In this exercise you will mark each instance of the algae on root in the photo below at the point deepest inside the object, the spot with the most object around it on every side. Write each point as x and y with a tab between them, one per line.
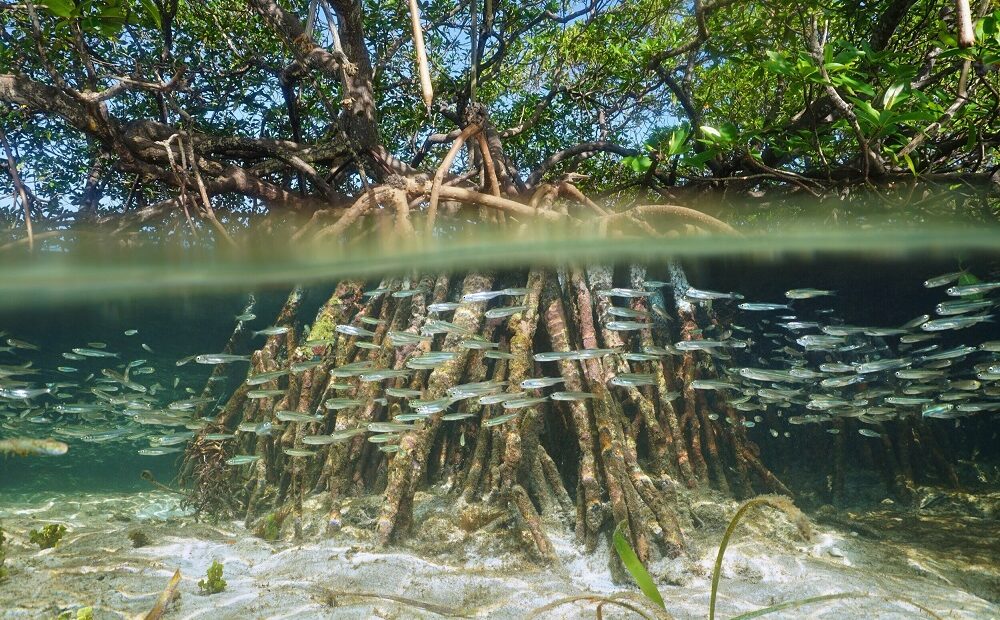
213	583
270	527
48	536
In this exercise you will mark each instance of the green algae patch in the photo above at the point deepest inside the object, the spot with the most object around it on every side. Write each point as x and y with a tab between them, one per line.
213	582
49	536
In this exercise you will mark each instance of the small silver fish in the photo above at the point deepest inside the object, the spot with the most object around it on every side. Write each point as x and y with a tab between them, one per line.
93	352
295	416
259	394
572	396
242	459
808	293
504	312
627	293
219	358
335	404
703	295
497	421
409	293
444	306
941	280
480	296
633	380
972	289
353	330
541	382
625	326
383	374
275	330
754	307
956	322
627	313
264	377
520	403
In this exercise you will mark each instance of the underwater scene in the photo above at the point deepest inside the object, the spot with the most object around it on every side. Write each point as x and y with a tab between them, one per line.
534	310
783	433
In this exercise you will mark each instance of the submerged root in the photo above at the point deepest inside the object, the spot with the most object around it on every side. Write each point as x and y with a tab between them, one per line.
616	454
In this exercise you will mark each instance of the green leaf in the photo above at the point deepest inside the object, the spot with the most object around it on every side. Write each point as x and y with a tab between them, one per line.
857	85
638	163
699	159
711	132
777	63
60	8
922	116
151	13
866	111
909	164
892	95
678	138
635	567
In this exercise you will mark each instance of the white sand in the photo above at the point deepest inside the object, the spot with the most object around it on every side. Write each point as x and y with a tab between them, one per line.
767	564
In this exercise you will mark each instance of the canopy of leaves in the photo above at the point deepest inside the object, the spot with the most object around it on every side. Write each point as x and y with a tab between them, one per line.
102	103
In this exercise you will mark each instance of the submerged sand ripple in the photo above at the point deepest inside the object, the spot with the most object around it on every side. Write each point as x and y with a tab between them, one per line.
97	566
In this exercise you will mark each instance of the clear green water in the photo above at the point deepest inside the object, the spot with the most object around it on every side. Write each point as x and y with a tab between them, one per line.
185	307
183	302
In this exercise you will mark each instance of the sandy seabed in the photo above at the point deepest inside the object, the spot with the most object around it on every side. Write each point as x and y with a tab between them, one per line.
343	577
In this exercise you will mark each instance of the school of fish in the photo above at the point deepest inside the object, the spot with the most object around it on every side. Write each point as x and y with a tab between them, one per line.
779	362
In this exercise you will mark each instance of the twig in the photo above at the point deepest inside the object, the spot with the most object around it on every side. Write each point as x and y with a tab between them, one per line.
168	595
209	211
868	156
19	188
440	610
181	180
960	98
618	599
